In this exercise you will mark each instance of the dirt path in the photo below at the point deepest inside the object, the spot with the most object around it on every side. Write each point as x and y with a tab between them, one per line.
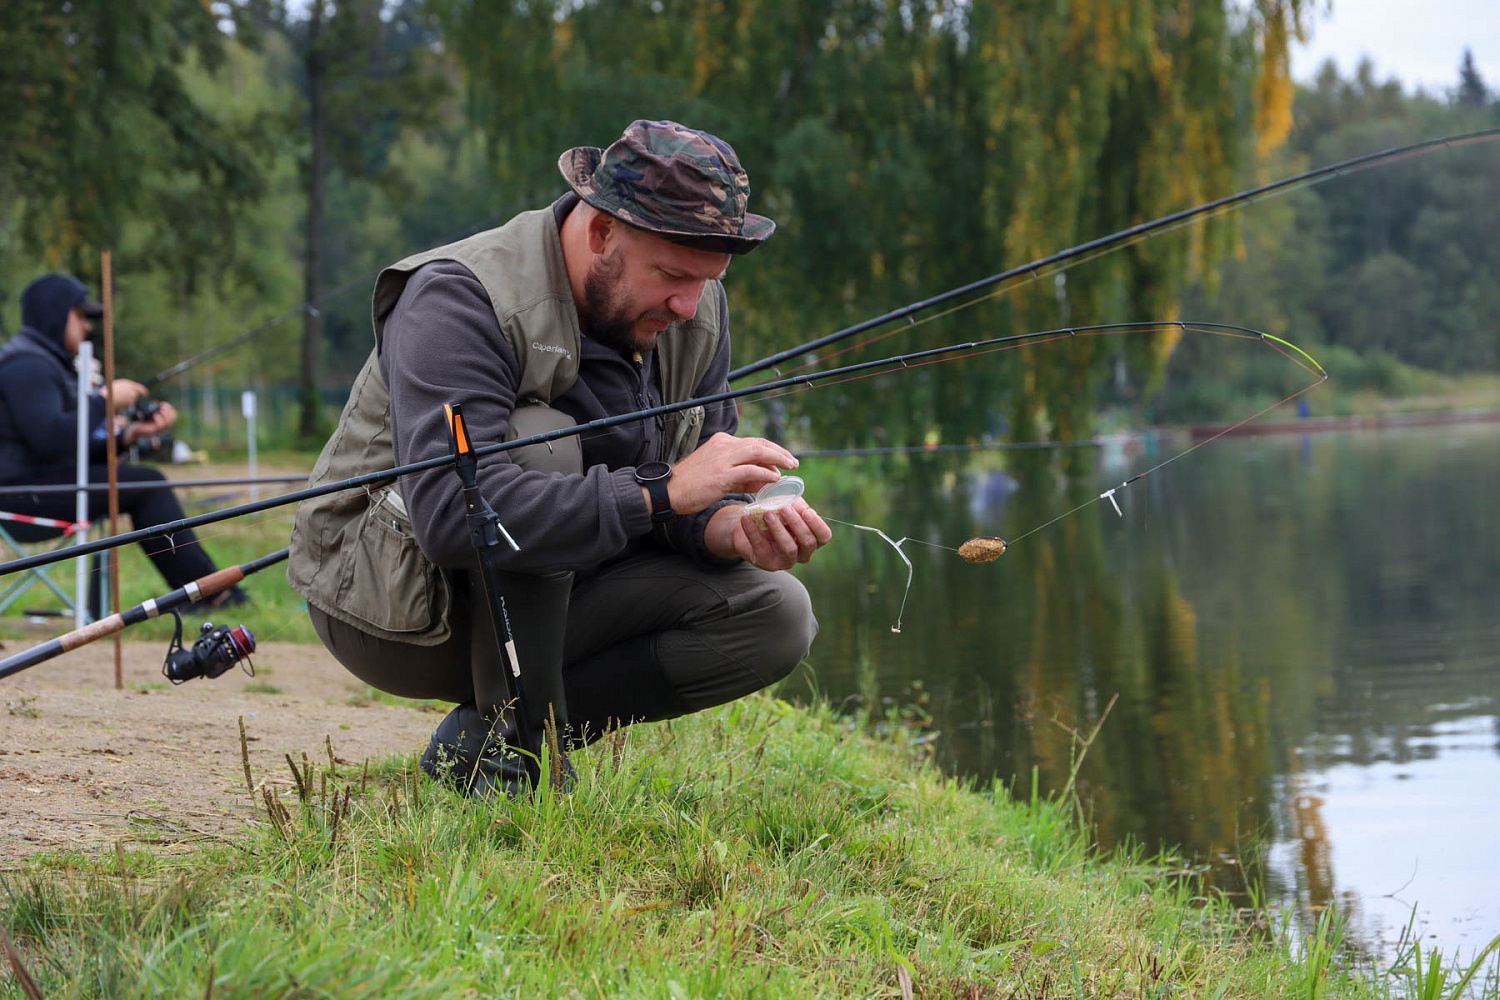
83	765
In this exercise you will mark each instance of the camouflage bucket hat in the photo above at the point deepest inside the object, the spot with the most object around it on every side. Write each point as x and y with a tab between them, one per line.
683	185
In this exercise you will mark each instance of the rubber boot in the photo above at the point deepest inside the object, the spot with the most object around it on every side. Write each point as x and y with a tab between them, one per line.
477	748
620	686
475	759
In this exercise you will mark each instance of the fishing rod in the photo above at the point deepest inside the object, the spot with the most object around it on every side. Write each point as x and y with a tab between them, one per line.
151	484
311	305
1084	251
216	650
485	531
988	548
809	380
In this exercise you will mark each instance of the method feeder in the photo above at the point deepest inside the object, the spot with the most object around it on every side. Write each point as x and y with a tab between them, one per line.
810	380
981	549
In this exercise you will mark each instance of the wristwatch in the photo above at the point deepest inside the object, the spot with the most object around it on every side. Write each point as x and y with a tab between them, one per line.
654	476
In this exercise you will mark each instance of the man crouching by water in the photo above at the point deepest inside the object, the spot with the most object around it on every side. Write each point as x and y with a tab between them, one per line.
641	590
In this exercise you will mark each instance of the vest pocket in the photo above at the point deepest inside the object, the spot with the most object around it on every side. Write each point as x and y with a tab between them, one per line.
388	582
681	432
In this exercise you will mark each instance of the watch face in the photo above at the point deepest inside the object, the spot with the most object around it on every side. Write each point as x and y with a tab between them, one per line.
652	470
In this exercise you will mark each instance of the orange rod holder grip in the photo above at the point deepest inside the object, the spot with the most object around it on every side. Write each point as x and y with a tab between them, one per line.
457	430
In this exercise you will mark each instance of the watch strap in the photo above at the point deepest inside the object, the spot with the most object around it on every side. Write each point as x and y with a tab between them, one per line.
661	499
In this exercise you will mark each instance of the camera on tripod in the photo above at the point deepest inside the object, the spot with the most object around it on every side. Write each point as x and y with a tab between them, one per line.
218	648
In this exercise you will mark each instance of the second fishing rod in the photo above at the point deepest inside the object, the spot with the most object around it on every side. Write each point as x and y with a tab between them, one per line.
1050	264
809	380
1071	257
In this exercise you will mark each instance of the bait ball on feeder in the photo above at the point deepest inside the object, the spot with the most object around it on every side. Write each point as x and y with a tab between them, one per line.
984	549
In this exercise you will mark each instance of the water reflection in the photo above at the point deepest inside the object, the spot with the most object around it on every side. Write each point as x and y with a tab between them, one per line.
1288	623
1402	839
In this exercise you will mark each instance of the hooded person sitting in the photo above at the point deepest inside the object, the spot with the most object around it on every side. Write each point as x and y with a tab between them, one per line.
38	430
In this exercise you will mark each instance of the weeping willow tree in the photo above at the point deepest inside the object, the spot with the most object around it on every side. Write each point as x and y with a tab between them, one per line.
101	131
907	147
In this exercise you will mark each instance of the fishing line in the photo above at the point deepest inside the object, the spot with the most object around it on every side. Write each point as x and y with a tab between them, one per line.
384	477
1126	237
798	384
176	484
897	546
979	549
942	449
1110	493
988	548
1040	272
311	305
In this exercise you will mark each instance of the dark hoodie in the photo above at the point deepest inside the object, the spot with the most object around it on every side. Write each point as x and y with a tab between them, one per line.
39	385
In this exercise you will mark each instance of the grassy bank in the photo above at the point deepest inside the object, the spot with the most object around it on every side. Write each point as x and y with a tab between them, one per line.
755	851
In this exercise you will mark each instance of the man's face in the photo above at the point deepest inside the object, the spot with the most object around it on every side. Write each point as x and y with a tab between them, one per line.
76	331
641	284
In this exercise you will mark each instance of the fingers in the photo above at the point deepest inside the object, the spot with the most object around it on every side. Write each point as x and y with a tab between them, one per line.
749	478
769	552
126	391
753	451
804	528
726	464
789	536
769	454
821	533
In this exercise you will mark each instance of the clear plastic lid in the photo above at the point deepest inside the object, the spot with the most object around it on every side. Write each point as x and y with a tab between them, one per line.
780	493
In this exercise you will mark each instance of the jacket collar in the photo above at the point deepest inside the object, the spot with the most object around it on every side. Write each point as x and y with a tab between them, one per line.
29	337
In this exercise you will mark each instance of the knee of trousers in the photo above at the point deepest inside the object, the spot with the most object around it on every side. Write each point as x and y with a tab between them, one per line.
786	625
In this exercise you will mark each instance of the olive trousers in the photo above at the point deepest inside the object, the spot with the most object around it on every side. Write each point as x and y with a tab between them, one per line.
647	638
644	638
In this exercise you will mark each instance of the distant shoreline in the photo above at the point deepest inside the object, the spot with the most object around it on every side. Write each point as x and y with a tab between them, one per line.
1310	425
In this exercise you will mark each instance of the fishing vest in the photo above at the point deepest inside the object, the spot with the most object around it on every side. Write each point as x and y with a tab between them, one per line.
354	555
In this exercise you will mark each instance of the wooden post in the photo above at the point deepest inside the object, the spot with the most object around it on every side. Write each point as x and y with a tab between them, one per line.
107	281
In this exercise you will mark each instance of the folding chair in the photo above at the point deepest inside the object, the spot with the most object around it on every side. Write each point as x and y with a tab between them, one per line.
23	529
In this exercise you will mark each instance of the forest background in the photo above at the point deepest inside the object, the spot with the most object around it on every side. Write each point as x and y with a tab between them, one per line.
252	164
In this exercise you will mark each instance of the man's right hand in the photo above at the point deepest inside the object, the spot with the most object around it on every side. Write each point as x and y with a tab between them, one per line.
725	464
126	392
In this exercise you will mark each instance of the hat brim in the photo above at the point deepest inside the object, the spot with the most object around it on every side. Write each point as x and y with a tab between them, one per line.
91	309
578	165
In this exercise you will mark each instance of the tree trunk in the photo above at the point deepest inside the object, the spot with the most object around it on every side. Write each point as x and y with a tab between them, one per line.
317	181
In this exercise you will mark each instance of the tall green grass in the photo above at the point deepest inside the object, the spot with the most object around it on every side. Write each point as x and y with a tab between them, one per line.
758	850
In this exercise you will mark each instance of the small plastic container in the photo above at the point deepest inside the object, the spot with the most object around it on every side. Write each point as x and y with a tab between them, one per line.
774	496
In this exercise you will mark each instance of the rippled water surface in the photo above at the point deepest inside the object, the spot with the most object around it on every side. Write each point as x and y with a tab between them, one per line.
1300	635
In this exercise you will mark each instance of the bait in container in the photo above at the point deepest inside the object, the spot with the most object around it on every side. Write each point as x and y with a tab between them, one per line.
774	496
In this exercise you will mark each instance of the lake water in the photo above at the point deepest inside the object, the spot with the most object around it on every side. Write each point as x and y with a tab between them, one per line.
1299	635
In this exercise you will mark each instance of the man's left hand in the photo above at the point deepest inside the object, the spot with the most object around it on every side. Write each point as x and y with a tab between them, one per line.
789	536
166	416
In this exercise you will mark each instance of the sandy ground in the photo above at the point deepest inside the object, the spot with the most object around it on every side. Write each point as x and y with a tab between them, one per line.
83	765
